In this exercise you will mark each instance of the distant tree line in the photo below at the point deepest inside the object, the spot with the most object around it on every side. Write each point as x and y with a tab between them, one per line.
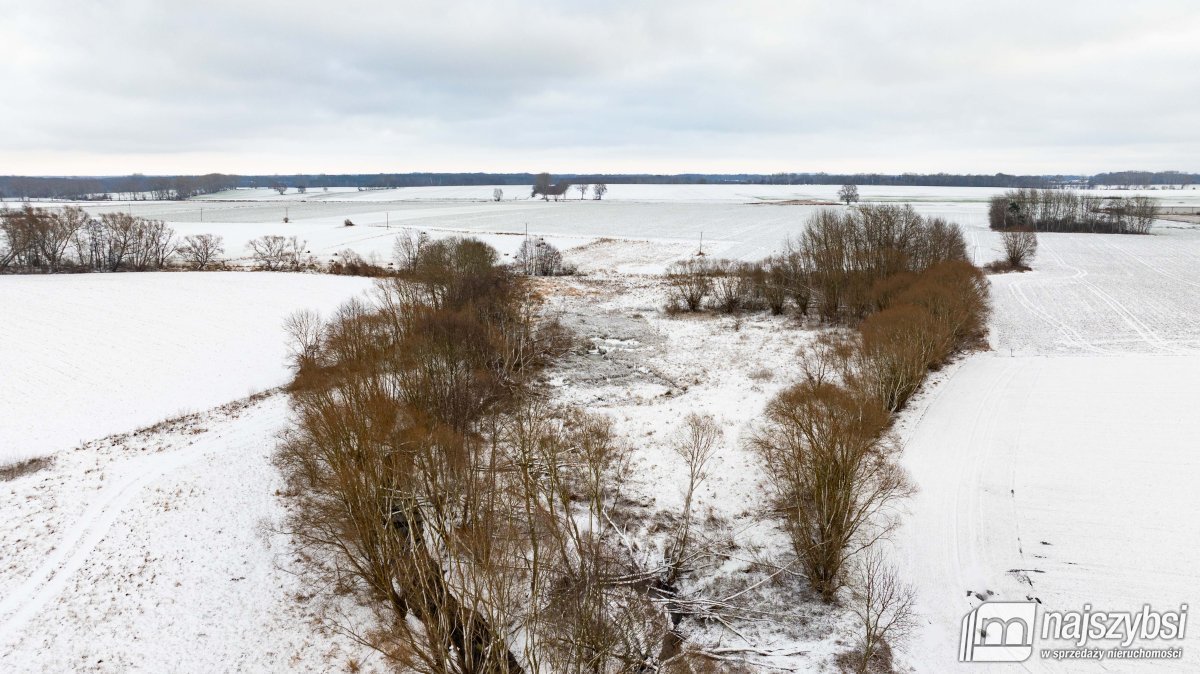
134	187
139	186
1131	179
1067	211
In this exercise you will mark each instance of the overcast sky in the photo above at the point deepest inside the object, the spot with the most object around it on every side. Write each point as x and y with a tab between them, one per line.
244	86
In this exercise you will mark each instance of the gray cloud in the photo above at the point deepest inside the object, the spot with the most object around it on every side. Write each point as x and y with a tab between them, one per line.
621	86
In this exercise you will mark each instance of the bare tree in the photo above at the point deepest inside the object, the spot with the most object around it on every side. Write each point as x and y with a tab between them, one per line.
582	191
695	442
153	244
884	606
279	187
407	248
120	237
1020	247
464	510
832	473
848	194
599	190
201	250
497	194
58	233
7	251
273	252
541	186
538	257
305	329
795	268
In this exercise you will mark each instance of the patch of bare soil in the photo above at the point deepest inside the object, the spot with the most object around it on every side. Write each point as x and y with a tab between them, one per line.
795	202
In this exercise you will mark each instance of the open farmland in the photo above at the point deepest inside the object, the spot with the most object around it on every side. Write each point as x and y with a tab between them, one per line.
1061	465
84	356
1057	465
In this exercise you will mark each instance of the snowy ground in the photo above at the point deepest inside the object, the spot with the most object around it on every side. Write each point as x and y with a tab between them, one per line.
1074	430
159	551
670	193
1062	464
87	355
646	372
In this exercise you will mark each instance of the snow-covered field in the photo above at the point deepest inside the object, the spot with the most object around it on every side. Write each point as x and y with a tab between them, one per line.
1062	465
87	355
162	552
668	193
740	221
1059	465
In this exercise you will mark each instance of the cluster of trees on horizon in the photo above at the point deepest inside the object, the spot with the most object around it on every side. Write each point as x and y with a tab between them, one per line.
1068	211
139	186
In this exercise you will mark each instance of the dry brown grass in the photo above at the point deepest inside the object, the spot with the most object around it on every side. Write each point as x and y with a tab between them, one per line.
14	470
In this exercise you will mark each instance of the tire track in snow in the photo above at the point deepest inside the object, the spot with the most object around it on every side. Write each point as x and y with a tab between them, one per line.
48	580
1073	336
1148	334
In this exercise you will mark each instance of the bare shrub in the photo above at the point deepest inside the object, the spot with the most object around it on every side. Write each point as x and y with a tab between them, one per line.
304	329
407	248
732	286
201	250
771	284
884	292
538	257
58	233
276	253
119	235
153	244
955	294
350	263
689	282
795	268
1019	246
897	346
